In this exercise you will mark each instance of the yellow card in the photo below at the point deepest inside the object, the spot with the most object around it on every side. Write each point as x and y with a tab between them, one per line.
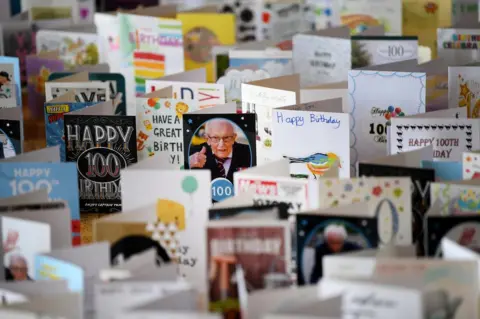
202	31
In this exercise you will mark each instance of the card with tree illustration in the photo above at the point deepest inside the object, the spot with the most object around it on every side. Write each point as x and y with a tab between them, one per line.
389	198
101	146
448	136
398	94
464	89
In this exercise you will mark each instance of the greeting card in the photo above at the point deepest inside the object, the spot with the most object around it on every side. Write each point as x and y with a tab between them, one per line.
444	171
202	31
223	143
101	144
260	97
297	128
11	132
85	90
49	268
108	31
464	89
399	94
449	137
10	82
54	111
180	206
457	46
281	21
324	233
456	197
471	165
247	17
230	244
190	86
388	198
159	127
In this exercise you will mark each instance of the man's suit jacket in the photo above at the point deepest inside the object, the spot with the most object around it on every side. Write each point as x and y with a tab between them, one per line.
241	159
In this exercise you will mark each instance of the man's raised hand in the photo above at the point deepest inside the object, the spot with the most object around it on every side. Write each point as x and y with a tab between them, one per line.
198	159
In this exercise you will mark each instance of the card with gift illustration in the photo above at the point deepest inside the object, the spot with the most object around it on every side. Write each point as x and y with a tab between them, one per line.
463	229
407	164
449	137
101	144
398	94
317	232
116	83
260	97
150	52
388	198
54	111
358	15
323	56
464	89
456	197
471	165
160	127
265	264
221	141
75	48
11	132
191	86
180	206
298	128
42	170
457	46
201	31
10	82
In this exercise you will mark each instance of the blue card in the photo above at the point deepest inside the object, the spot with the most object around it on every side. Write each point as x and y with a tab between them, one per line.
60	180
54	128
445	171
13	75
49	268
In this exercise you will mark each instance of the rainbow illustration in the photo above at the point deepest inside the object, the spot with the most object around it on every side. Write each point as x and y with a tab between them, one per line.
147	66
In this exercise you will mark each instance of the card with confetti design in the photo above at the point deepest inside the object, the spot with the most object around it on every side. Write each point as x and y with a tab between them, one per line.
456	198
471	165
387	197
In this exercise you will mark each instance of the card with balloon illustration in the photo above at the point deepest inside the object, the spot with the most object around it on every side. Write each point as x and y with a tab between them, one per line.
389	198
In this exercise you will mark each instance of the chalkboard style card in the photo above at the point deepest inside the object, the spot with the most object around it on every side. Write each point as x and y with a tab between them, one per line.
407	164
332	231
11	132
223	143
101	144
462	228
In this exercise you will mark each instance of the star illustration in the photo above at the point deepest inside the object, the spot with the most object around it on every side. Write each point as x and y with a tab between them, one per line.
189	121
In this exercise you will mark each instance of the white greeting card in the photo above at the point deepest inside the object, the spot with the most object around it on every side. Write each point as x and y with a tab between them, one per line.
471	165
458	46
190	86
448	136
261	97
302	133
464	89
184	201
397	94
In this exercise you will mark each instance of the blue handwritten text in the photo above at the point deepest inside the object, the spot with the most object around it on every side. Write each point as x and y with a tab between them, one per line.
314	118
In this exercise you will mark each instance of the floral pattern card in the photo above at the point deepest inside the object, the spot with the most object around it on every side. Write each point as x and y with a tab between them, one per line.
261	97
75	48
388	198
181	205
464	89
471	165
448	136
160	130
359	15
398	94
297	130
456	197
458	46
10	81
322	57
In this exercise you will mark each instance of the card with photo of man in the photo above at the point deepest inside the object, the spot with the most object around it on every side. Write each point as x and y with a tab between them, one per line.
223	143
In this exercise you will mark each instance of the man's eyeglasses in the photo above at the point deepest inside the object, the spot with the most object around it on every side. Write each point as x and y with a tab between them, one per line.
226	139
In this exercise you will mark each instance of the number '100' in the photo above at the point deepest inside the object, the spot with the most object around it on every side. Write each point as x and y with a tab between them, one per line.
100	166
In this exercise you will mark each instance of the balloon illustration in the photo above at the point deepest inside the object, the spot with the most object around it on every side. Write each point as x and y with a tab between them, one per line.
189	184
393	112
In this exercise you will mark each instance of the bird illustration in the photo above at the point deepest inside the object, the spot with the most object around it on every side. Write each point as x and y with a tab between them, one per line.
317	163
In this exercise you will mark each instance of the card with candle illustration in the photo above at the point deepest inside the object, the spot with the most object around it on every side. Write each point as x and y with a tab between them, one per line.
159	128
448	136
471	165
389	198
165	213
261	247
398	94
464	89
101	145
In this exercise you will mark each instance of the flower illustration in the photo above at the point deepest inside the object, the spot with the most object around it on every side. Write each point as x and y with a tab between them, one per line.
377	191
348	187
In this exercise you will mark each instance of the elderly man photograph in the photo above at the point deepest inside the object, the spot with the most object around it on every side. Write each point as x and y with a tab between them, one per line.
334	242
221	154
17	268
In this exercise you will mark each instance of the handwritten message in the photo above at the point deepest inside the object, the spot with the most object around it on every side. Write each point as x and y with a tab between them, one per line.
300	120
446	145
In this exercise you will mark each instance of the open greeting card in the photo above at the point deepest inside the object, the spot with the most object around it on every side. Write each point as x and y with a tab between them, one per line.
297	130
101	144
260	97
190	86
